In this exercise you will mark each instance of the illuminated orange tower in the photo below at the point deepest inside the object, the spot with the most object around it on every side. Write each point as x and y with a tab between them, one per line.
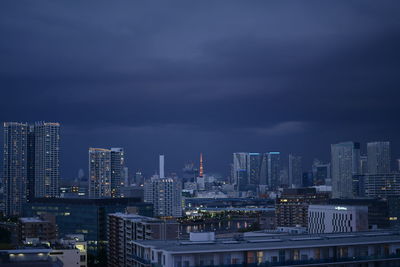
201	170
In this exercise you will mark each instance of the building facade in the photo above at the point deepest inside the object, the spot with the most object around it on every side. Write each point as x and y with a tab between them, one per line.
295	171
240	163
123	228
291	208
15	167
165	195
85	216
117	171
36	227
99	173
381	185
321	173
378	210
274	170
31	163
107	172
345	158
337	219
378	157
358	249
47	159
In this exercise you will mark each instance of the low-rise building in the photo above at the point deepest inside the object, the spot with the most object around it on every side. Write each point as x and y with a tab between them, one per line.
337	219
61	254
365	248
45	229
378	210
70	251
33	257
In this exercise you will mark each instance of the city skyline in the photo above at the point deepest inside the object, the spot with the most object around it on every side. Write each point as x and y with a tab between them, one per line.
225	173
268	77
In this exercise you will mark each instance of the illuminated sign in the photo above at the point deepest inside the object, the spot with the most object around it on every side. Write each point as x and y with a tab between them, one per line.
340	208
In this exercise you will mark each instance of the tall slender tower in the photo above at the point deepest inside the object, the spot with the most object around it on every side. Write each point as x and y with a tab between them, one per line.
161	166
15	166
47	163
100	173
201	169
274	168
295	171
117	170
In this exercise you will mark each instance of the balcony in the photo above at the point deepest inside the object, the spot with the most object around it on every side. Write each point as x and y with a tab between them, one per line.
141	260
310	262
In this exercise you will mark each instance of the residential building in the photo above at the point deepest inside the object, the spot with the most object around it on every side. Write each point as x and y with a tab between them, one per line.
31	163
15	175
117	170
291	208
99	173
123	228
337	219
345	158
47	159
357	249
165	195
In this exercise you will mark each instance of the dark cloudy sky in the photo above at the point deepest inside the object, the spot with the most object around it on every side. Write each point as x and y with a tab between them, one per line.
216	77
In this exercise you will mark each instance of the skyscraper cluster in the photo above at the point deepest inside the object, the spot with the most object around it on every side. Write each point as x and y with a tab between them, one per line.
251	170
31	163
354	175
349	173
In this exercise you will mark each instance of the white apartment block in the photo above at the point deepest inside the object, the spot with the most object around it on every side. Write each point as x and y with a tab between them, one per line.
357	249
165	195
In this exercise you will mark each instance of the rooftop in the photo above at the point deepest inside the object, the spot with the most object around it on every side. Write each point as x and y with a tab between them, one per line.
272	241
31	220
88	201
132	216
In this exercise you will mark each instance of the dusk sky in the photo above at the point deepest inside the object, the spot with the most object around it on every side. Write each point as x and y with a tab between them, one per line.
202	76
